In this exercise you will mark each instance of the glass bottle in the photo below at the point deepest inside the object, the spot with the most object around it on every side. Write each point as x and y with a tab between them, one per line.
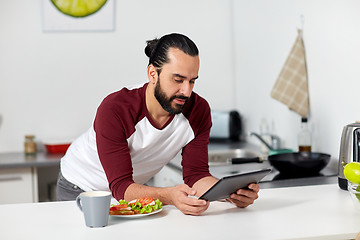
304	137
30	145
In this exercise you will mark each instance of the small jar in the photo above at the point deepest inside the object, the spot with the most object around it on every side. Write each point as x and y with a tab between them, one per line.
30	145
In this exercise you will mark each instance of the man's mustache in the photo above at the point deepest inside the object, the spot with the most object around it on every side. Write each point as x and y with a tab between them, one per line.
179	96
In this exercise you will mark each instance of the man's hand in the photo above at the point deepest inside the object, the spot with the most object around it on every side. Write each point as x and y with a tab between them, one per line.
245	197
178	196
188	205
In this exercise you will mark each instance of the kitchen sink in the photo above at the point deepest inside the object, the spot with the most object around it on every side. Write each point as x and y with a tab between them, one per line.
230	156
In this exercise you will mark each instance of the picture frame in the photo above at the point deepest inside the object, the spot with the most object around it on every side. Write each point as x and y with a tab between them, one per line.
54	20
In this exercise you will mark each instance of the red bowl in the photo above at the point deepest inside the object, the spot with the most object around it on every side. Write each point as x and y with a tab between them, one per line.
57	148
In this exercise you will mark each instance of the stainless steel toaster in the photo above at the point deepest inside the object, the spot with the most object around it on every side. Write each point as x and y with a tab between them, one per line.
349	150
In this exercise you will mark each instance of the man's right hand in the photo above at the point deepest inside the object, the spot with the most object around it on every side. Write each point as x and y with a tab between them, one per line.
187	205
180	196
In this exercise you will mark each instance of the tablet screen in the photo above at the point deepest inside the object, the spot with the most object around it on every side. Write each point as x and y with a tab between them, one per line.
229	184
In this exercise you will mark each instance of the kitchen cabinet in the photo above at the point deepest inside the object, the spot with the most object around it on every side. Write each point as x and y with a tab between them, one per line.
28	179
18	185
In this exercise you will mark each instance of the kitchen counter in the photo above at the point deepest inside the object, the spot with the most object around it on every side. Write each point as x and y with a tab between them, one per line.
311	212
20	160
44	169
42	159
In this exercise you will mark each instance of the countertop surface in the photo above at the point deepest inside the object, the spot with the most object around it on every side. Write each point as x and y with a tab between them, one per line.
43	159
311	212
20	160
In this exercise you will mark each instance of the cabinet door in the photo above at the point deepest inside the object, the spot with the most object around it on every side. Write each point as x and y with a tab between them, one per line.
16	185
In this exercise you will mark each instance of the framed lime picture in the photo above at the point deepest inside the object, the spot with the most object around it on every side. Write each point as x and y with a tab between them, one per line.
78	15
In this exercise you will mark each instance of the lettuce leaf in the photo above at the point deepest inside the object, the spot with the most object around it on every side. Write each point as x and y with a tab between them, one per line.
121	201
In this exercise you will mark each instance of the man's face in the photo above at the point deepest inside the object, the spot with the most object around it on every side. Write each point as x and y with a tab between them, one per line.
166	102
177	81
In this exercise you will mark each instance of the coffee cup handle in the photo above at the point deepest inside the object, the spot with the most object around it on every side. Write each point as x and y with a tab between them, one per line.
78	203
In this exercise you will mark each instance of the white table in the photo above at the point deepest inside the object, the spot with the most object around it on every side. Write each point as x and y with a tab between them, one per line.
312	212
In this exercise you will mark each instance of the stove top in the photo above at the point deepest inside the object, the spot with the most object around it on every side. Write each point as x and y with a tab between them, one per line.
226	170
276	180
275	175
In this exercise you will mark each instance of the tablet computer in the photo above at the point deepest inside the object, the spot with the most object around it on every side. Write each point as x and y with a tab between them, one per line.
229	184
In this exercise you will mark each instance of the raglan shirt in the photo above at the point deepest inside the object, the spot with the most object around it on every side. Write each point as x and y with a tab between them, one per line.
123	146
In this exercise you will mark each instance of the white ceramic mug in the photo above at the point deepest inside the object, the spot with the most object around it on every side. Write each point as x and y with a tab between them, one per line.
95	207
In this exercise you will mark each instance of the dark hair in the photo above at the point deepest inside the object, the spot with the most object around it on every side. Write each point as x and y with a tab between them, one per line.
157	49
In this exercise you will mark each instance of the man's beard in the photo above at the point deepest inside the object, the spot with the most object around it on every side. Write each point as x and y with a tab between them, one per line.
165	102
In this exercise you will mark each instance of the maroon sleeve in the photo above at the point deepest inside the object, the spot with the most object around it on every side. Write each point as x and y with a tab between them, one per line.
195	153
113	125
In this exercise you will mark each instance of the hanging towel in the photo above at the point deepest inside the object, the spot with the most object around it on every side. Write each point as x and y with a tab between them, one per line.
291	87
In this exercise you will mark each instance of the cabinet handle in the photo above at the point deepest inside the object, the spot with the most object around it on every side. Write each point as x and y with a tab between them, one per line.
10	178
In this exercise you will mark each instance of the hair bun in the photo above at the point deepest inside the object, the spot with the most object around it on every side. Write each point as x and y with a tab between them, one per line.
150	47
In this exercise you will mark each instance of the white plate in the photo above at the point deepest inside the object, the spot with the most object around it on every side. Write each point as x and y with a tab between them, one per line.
137	215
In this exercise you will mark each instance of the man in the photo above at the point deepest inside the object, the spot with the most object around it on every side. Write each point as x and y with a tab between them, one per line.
138	131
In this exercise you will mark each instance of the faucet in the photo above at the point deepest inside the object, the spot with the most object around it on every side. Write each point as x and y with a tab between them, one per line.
275	141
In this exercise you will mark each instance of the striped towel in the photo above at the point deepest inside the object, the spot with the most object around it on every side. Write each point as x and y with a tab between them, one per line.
291	87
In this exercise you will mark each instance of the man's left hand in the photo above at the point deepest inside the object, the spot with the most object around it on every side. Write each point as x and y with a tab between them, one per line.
245	197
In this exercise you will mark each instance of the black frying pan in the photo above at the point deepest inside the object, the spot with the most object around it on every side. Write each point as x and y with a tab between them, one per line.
299	163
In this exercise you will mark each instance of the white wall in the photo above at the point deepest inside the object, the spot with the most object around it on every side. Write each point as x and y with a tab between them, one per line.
264	34
52	83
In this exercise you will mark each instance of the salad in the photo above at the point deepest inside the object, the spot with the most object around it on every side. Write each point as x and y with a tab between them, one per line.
137	206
